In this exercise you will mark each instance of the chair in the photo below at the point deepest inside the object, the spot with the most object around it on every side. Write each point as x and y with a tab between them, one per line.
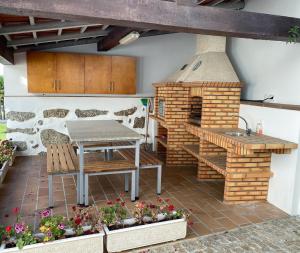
147	161
109	168
61	161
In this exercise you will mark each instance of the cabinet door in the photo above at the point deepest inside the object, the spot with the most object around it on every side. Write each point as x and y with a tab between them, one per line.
97	75
124	75
41	72
69	73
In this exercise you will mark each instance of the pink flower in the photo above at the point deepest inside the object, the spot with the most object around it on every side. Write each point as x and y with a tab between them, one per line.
19	228
61	226
46	213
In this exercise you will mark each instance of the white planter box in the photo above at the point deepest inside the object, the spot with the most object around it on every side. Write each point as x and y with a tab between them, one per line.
11	162
145	235
81	244
3	171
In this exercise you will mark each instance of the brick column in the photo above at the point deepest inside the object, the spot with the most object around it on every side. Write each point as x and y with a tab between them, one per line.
247	177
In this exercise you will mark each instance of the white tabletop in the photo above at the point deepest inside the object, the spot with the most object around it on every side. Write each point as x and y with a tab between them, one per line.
99	131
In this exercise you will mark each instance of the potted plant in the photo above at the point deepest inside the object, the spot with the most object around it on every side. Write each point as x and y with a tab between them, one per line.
7	151
152	224
53	237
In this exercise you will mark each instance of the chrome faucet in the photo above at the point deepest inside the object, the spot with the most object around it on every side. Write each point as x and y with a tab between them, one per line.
248	129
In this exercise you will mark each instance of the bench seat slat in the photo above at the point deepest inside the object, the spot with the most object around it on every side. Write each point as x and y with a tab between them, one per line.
61	159
108	166
146	158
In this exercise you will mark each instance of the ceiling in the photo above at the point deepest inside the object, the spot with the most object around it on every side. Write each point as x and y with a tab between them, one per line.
25	33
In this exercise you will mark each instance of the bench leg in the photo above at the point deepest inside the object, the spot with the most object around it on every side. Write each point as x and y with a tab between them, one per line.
86	190
159	172
133	176
50	186
78	188
126	182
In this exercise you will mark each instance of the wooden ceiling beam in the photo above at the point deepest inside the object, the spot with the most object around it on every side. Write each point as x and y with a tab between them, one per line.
6	54
56	25
46	39
58	45
159	15
113	38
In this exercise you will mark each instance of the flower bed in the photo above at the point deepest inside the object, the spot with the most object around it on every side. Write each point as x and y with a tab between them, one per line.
148	224
151	224
7	154
57	234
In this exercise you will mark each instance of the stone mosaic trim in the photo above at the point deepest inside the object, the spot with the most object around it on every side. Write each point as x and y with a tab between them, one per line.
89	113
21	130
280	235
126	112
21	145
20	116
55	113
50	136
139	122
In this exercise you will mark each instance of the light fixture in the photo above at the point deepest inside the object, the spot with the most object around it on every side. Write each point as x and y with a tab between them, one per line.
129	38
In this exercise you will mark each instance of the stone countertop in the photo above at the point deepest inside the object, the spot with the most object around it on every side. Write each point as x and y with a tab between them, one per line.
100	131
242	144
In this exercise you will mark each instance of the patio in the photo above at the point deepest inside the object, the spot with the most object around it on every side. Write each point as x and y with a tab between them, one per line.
26	187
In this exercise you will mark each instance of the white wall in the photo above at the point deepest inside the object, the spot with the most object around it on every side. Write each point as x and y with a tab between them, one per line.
284	124
157	58
268	67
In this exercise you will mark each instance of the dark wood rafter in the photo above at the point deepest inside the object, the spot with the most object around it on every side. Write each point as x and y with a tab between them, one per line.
58	45
159	15
112	40
6	54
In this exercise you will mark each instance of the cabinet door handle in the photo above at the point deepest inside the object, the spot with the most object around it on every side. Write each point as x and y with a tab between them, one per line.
59	84
110	86
53	84
113	86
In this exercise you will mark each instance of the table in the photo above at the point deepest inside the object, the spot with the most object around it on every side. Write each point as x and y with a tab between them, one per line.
86	132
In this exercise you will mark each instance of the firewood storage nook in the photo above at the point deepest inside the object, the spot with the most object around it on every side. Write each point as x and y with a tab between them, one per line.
195	122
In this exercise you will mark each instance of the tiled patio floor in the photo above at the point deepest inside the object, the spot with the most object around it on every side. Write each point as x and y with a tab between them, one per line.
26	187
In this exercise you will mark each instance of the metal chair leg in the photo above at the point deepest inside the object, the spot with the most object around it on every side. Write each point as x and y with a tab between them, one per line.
159	172
133	194
126	182
50	186
86	190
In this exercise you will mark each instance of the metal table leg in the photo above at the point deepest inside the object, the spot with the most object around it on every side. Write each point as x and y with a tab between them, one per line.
81	169
137	164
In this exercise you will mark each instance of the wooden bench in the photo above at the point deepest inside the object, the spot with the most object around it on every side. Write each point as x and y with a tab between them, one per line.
147	161
61	161
96	168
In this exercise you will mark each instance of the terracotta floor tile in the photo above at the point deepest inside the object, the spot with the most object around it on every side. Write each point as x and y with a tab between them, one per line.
26	186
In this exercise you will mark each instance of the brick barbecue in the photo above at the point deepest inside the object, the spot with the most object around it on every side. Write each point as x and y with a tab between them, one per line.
191	104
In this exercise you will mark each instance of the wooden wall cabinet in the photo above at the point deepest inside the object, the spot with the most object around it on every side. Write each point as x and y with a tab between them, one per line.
82	74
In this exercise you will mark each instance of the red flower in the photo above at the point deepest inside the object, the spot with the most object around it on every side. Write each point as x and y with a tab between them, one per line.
109	202
159	200
77	221
171	208
6	215
16	210
123	203
152	206
8	229
74	208
118	199
167	200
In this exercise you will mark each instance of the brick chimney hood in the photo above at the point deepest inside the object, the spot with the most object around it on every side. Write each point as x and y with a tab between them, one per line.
210	64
